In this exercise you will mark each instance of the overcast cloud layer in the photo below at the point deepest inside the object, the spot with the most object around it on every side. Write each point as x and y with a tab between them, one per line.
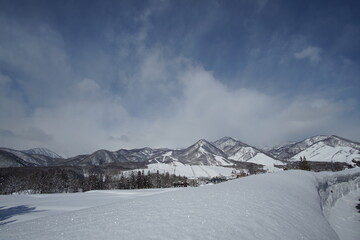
77	76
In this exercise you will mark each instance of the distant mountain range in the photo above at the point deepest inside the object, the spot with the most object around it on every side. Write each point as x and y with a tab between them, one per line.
224	152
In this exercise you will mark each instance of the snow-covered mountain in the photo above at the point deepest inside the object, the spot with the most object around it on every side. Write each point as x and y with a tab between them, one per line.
226	151
287	151
140	154
228	145
8	159
42	151
102	157
319	149
242	152
231	147
97	158
200	153
14	158
331	149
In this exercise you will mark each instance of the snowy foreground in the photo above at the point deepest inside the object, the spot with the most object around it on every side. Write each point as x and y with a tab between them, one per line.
282	205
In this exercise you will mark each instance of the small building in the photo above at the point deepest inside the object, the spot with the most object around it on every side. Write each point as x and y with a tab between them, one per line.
218	179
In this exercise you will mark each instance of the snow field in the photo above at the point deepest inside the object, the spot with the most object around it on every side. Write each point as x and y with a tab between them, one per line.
199	171
283	205
267	162
20	208
343	219
190	171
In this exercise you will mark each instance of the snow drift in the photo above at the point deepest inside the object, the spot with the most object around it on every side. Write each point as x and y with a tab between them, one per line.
332	186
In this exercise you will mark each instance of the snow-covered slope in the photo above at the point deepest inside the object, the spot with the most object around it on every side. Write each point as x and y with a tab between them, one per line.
25	207
27	159
228	145
99	157
32	157
286	151
8	159
42	151
241	152
189	171
268	162
141	154
102	157
323	152
284	205
320	149
235	149
31	161
200	153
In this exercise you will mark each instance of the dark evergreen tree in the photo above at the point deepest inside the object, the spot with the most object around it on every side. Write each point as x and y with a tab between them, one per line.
304	165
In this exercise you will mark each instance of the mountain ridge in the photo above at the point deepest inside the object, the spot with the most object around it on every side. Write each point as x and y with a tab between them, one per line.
225	151
42	151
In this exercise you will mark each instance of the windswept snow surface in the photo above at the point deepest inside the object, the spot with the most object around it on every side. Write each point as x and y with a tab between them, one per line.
20	208
283	205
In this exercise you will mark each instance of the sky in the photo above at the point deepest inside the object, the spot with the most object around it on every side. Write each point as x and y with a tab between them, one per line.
78	76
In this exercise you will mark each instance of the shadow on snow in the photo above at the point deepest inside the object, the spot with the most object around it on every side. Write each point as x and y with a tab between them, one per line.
6	213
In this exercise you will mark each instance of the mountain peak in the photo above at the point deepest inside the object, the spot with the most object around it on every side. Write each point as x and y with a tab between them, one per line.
202	142
227	138
318	138
227	144
201	153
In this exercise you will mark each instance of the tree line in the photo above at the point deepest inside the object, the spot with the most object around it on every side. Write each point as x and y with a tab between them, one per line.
68	180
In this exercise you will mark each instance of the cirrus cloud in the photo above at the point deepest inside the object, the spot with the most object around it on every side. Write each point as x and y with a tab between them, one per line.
311	53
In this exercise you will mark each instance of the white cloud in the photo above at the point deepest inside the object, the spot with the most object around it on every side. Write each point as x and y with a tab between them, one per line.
311	53
92	117
74	114
210	110
85	122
